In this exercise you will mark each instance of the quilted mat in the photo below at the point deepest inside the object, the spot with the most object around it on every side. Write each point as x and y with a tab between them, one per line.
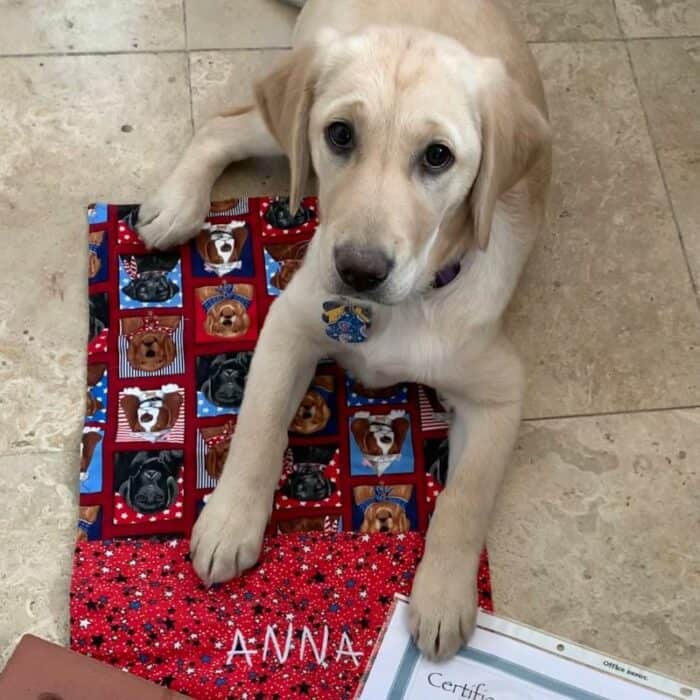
171	337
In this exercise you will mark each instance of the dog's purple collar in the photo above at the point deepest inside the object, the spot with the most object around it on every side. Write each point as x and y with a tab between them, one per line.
446	275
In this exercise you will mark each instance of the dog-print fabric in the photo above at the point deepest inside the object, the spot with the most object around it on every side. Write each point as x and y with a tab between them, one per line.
170	342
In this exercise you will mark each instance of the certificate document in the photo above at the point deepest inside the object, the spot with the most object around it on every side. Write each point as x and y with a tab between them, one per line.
506	661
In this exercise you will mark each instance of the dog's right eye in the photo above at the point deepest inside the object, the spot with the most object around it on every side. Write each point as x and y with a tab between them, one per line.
340	137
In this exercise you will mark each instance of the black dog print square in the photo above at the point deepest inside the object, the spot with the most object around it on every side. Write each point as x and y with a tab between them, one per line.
98	325
278	220
153	280
310	477
220	382
151	346
148	486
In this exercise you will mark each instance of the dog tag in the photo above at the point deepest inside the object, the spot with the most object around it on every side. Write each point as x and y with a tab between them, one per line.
345	321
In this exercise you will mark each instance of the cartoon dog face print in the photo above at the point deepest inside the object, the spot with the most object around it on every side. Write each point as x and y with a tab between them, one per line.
327	523
314	413
95	240
436	452
151	414
226	308
383	507
221	379
90	440
98	315
282	262
221	246
379	437
306	478
93	404
277	215
149	280
88	523
150	344
217	440
147	481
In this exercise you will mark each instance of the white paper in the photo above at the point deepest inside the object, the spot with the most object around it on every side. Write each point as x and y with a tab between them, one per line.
507	661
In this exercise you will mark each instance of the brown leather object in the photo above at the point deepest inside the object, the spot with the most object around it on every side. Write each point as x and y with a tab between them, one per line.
39	670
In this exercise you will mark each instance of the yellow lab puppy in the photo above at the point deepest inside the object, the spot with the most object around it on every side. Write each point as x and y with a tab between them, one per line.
426	126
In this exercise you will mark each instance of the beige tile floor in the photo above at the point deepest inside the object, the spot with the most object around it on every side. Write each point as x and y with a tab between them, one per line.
597	530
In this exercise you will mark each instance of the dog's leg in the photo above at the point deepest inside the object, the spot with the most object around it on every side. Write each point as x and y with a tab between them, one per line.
176	211
227	537
444	597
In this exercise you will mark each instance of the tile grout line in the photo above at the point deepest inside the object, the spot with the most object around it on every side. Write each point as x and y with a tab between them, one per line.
188	62
235	49
535	419
662	173
155	52
605	414
617	19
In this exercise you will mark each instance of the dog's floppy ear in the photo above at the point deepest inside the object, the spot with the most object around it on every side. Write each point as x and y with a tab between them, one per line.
171	408
95	373
130	404
360	428
284	99
514	133
400	428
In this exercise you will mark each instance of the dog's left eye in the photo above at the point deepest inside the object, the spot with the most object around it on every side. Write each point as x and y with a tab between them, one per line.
340	137
437	157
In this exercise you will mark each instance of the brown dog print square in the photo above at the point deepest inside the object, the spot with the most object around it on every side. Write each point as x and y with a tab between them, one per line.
150	346
91	460
223	249
384	508
212	449
96	395
319	523
282	260
317	413
97	256
380	443
153	415
225	312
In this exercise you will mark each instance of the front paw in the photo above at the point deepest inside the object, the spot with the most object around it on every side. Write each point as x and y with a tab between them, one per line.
174	214
227	537
443	607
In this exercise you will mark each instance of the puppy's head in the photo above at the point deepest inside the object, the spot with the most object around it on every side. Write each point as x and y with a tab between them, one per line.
413	139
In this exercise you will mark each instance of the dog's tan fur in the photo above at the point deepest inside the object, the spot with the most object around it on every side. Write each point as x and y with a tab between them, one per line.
404	74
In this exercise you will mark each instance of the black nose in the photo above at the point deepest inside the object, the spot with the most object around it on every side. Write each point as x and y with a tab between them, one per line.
362	269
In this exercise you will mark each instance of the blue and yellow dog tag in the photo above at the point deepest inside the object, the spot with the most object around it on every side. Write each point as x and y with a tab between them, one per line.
346	322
